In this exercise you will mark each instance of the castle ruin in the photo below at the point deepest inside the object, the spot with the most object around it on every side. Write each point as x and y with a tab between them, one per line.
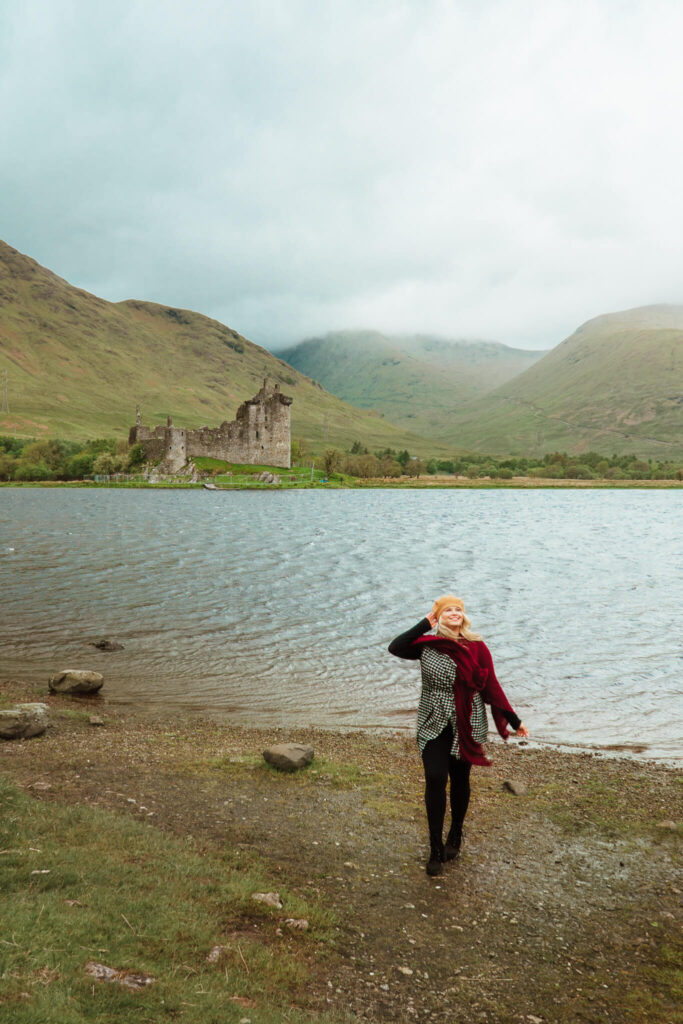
260	434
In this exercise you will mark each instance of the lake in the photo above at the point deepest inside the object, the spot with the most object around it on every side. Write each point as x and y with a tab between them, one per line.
277	607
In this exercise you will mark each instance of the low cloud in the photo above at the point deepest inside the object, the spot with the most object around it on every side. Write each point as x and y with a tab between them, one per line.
501	170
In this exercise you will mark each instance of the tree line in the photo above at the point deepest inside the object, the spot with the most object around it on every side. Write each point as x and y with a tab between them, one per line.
51	459
359	462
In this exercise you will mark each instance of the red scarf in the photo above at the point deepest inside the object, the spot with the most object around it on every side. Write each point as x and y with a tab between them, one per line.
475	672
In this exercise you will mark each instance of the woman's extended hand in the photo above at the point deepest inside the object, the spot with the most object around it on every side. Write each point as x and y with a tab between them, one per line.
432	619
522	731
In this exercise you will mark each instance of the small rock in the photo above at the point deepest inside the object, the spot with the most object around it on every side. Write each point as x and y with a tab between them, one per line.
76	681
271	899
129	979
671	825
297	924
534	1020
96	720
288	757
107	645
406	970
23	721
516	787
215	954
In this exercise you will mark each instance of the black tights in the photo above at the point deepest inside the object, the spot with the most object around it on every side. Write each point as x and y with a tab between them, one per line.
439	765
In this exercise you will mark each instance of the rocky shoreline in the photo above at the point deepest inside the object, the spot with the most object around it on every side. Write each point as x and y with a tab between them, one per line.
564	906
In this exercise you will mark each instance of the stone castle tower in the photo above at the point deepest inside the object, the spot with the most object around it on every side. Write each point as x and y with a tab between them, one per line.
260	434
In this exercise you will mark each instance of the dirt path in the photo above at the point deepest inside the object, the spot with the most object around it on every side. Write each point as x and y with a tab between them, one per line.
564	905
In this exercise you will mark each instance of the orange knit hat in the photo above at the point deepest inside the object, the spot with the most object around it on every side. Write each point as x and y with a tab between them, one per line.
447	601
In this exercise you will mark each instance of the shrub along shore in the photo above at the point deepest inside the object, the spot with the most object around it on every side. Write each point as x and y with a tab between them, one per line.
107	462
139	843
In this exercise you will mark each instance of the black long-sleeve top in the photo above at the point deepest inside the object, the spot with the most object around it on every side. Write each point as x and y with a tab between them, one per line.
401	647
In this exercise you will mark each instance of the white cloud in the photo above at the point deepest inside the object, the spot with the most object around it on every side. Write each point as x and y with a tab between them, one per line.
502	170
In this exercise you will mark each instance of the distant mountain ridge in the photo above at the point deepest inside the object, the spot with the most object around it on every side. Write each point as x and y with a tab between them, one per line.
416	381
615	385
77	365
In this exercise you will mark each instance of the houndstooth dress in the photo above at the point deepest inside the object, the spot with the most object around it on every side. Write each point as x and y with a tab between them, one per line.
437	704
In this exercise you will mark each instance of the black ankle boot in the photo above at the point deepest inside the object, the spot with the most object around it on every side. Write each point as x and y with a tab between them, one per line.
453	843
436	856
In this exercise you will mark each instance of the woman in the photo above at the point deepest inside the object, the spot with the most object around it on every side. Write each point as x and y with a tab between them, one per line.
458	679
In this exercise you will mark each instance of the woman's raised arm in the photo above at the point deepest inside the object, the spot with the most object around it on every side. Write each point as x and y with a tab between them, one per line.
401	646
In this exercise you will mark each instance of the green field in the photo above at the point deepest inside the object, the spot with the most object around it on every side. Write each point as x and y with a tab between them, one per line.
81	885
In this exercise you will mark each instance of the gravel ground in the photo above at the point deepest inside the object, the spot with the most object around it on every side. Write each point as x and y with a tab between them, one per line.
563	906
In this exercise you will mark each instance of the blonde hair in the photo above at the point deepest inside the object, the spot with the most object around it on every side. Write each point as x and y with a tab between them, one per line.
464	633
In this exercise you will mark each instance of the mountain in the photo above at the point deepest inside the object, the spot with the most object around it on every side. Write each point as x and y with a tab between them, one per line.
77	365
416	381
615	385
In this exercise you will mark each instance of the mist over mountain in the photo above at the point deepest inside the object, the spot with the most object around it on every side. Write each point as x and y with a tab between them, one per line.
417	381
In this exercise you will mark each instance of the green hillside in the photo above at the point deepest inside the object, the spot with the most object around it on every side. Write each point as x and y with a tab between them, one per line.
417	381
615	385
77	365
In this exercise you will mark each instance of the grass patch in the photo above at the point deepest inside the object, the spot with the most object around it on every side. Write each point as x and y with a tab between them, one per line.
344	775
338	774
208	465
143	902
75	716
244	475
664	975
613	809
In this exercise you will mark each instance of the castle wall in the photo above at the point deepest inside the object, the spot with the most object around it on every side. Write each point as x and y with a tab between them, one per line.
259	434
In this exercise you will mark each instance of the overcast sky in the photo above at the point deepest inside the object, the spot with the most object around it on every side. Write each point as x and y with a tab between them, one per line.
496	170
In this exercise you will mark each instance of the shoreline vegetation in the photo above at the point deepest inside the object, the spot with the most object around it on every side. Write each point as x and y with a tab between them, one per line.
436	483
108	462
139	843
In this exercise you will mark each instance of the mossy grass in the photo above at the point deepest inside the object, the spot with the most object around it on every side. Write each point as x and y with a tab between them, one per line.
606	807
81	884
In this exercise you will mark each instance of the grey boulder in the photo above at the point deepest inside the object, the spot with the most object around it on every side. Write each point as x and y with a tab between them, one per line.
77	681
516	787
288	757
23	721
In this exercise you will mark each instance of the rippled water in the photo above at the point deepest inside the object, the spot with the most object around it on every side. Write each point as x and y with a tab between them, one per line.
278	607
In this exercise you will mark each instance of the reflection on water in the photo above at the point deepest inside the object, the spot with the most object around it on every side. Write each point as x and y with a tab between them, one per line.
278	607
